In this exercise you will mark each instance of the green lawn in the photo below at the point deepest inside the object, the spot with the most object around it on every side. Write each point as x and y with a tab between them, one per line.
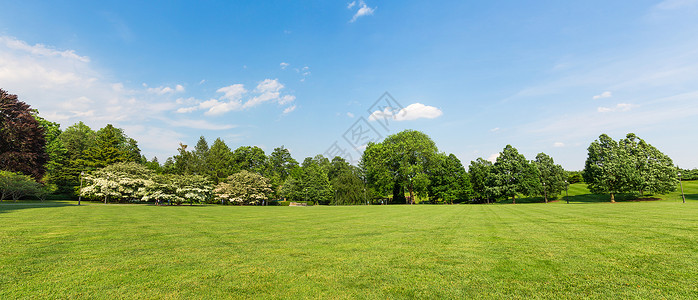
597	250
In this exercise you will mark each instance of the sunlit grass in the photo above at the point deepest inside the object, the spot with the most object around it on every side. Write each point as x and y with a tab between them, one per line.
598	250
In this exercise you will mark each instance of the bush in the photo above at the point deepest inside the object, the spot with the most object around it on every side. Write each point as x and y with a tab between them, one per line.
17	186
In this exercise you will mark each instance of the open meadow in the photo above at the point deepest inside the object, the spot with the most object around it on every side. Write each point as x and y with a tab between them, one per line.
597	250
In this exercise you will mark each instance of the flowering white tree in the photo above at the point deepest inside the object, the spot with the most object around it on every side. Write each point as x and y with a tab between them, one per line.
193	188
244	188
132	181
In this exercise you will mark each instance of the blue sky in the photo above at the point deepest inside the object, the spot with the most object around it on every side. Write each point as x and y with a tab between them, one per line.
543	76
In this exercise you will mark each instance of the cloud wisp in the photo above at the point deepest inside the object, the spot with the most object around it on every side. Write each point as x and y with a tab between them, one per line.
363	10
236	98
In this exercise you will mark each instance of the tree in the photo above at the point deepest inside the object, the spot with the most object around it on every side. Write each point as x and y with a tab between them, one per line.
608	168
401	160
244	187
316	184
448	180
220	160
512	174
16	185
250	158
22	140
280	165
348	187
551	175
192	188
574	177
200	157
480	172
112	146
654	171
184	161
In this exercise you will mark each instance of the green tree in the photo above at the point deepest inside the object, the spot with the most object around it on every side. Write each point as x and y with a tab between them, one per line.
480	172
112	146
401	160
22	140
220	160
280	165
316	183
16	185
609	168
512	174
552	176
349	188
654	171
57	166
184	162
244	187
250	158
574	177
448	180
200	158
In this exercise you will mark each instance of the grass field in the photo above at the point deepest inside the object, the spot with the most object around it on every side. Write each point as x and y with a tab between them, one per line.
584	249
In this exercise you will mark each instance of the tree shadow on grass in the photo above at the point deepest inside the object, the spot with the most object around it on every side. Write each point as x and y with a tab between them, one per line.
9	206
585	198
691	196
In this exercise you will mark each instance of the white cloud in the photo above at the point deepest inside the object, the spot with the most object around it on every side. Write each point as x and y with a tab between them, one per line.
493	157
413	111
162	90
268	90
606	94
364	10
40	50
350	115
558	144
351	4
233	98
287	99
494	129
289	109
232	92
618	107
182	110
284	65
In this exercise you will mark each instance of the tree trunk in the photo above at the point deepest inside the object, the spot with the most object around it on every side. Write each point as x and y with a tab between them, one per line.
613	198
411	195
105	199
513	198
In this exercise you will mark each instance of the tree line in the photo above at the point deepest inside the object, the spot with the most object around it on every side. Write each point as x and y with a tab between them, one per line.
406	167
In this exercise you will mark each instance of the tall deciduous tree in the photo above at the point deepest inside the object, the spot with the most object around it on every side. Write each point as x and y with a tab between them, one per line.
280	164
250	158
22	140
448	180
512	174
551	176
401	160
480	171
654	171
608	168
